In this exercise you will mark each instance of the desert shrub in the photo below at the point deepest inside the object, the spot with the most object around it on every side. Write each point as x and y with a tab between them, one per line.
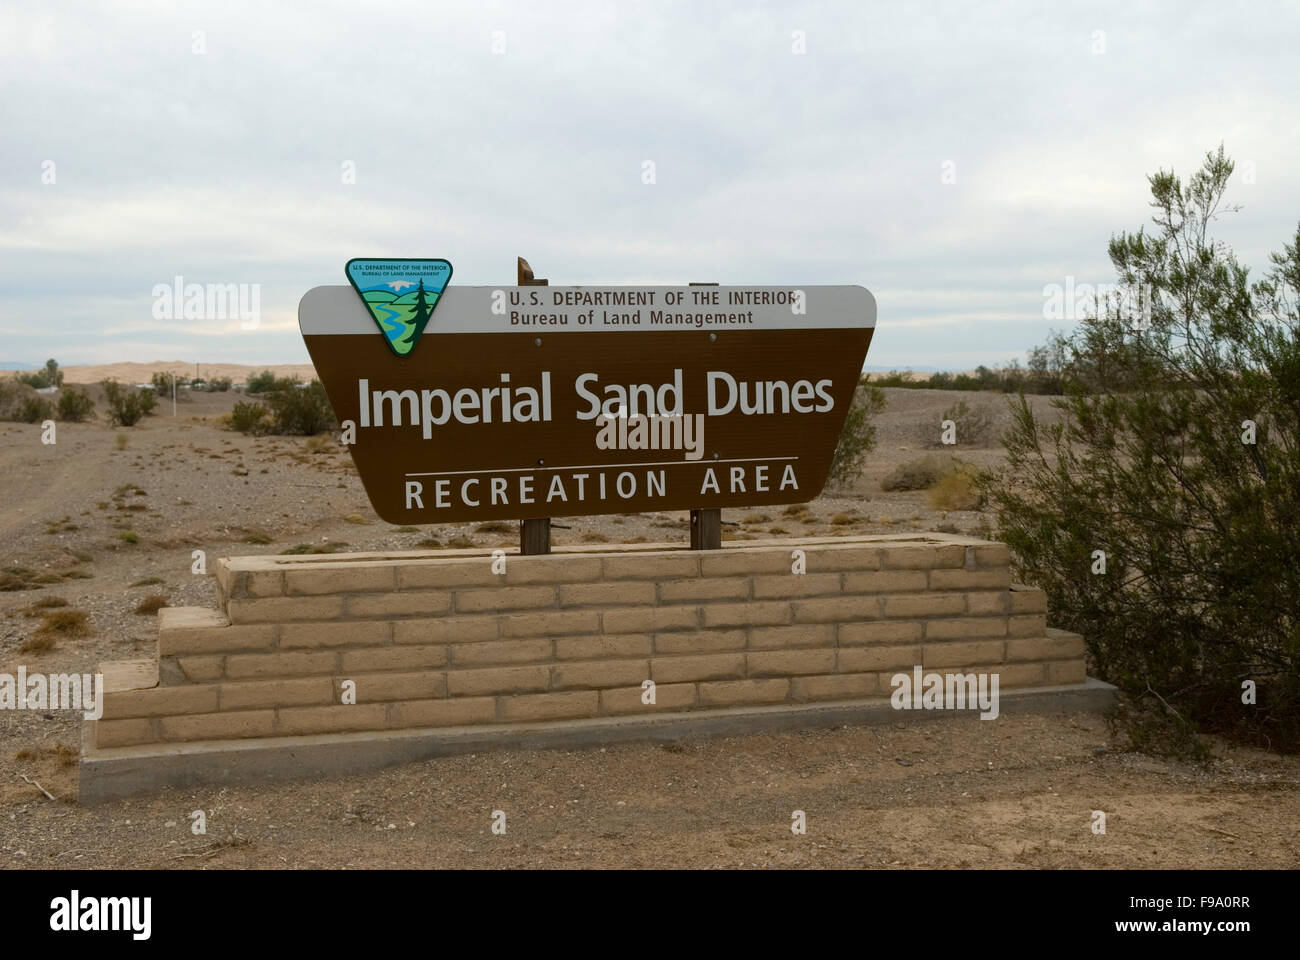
75	405
20	403
300	409
34	410
956	489
260	382
218	385
1155	470
127	405
919	474
858	437
250	417
973	426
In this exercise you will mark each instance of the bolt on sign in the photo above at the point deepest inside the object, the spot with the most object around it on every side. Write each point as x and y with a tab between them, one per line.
500	402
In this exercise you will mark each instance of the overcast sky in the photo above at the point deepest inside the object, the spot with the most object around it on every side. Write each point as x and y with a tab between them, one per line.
226	165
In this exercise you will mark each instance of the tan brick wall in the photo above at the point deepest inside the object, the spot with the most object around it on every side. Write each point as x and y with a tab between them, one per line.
447	642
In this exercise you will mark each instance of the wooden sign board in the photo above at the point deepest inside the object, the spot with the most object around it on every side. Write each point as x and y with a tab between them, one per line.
524	402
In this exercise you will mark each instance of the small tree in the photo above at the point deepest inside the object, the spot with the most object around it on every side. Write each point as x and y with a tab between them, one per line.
49	376
420	317
858	438
1162	515
163	383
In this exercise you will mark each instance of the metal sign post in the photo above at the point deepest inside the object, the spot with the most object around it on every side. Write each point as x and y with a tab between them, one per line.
535	534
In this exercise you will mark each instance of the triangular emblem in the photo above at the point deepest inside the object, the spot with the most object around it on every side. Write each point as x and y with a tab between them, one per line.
401	296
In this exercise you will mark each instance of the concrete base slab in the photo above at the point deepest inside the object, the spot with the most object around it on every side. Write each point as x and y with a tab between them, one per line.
118	772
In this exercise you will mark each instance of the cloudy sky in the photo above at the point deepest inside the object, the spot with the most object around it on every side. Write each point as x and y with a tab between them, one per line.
214	142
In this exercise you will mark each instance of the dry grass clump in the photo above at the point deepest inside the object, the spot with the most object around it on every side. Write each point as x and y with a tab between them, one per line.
955	489
56	625
328	546
918	474
151	604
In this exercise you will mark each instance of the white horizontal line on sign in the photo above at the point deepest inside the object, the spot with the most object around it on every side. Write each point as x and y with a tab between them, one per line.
605	466
544	310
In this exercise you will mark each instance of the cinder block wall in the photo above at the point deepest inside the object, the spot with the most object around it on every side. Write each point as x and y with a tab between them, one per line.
434	640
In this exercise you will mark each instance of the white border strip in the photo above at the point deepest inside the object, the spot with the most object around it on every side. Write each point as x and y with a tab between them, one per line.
339	310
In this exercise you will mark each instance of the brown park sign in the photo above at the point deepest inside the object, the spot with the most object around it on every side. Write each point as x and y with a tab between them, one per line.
527	402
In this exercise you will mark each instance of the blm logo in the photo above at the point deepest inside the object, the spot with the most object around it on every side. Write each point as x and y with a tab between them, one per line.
401	296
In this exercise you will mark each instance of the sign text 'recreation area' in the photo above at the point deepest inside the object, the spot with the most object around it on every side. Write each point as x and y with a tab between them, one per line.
522	402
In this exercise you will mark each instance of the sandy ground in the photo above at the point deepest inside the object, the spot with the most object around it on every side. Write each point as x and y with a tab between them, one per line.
1018	792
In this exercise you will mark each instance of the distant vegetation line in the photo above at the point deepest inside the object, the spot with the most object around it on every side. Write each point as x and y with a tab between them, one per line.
1044	373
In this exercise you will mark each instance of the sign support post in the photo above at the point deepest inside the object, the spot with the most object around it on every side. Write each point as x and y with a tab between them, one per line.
534	535
706	525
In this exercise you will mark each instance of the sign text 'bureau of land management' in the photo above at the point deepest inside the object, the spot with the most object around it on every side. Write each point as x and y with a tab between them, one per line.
535	401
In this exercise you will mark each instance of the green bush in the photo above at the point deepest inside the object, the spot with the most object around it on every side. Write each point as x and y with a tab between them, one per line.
1154	467
300	408
858	438
263	382
127	405
251	418
75	405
